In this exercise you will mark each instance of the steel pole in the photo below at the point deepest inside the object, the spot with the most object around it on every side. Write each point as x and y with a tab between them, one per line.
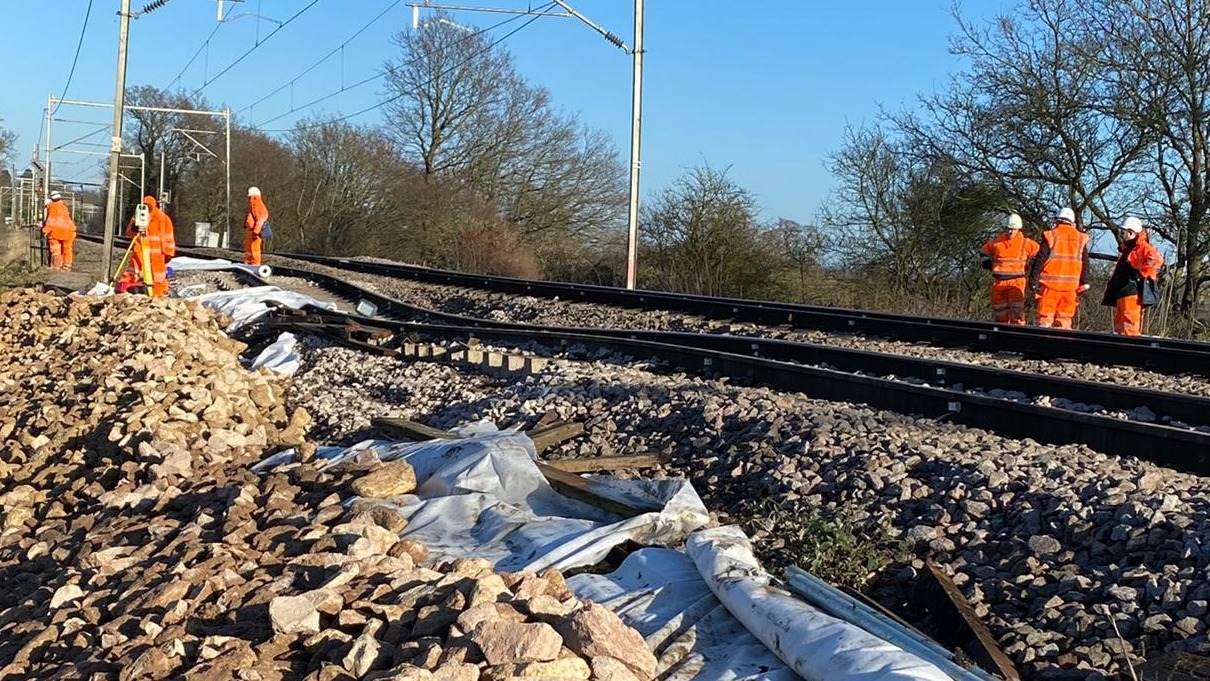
636	130
161	185
115	142
227	216
50	102
12	183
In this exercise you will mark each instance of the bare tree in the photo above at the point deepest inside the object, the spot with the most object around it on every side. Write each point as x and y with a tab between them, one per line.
1155	53
909	220
459	109
341	188
8	143
1033	115
155	133
803	248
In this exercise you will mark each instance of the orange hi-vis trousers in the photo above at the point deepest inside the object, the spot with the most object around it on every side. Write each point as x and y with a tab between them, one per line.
1057	308
60	253
1008	301
252	247
1128	316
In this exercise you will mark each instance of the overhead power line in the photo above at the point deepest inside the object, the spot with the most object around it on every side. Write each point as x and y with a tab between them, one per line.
252	49
327	56
399	96
206	44
74	60
203	46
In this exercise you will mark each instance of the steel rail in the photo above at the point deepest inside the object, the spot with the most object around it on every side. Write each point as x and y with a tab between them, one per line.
779	364
1189	409
1162	354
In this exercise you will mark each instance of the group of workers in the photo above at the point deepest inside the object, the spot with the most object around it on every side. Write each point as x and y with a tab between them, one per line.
1055	272
153	241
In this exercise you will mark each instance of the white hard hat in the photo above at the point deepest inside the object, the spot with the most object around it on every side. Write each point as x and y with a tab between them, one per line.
55	195
1066	215
1132	224
253	191
1013	221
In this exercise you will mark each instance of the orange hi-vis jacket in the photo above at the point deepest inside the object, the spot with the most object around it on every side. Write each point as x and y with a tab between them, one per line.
59	224
258	214
1145	258
1063	257
161	242
1010	252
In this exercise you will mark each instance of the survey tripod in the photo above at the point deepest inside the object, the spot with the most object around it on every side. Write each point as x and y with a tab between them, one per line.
142	218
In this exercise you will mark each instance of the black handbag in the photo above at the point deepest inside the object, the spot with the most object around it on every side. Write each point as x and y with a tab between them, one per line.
1149	292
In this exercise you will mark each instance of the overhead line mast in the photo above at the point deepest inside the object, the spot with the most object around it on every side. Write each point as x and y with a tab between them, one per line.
636	119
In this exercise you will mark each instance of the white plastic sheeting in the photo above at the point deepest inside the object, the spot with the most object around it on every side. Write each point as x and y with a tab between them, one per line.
249	304
711	615
281	356
816	645
484	496
185	263
661	594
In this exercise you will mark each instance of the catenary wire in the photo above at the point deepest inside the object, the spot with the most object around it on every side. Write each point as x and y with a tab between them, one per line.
258	44
74	60
400	96
327	56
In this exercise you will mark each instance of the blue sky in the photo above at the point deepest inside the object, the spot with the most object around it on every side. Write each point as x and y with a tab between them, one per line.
766	88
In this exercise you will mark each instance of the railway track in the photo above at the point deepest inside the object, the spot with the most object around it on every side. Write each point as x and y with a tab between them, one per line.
1161	354
1174	432
929	388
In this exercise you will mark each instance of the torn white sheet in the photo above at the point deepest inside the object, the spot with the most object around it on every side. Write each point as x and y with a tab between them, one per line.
816	645
484	496
182	263
661	594
281	356
249	304
185	263
710	615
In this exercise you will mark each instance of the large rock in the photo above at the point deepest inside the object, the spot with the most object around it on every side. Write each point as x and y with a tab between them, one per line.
594	631
294	615
392	479
505	642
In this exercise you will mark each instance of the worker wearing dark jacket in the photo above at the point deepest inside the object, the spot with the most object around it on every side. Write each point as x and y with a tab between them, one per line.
1059	273
1138	267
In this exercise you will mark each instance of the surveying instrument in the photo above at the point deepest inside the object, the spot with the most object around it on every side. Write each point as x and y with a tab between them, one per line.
142	219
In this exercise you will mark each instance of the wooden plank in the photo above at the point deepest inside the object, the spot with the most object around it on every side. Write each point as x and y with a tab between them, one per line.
548	419
606	463
551	435
948	605
411	429
572	485
567	484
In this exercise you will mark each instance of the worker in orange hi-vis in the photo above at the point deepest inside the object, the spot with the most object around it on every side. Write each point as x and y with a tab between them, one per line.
1059	272
1134	284
60	232
155	246
1008	256
254	227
